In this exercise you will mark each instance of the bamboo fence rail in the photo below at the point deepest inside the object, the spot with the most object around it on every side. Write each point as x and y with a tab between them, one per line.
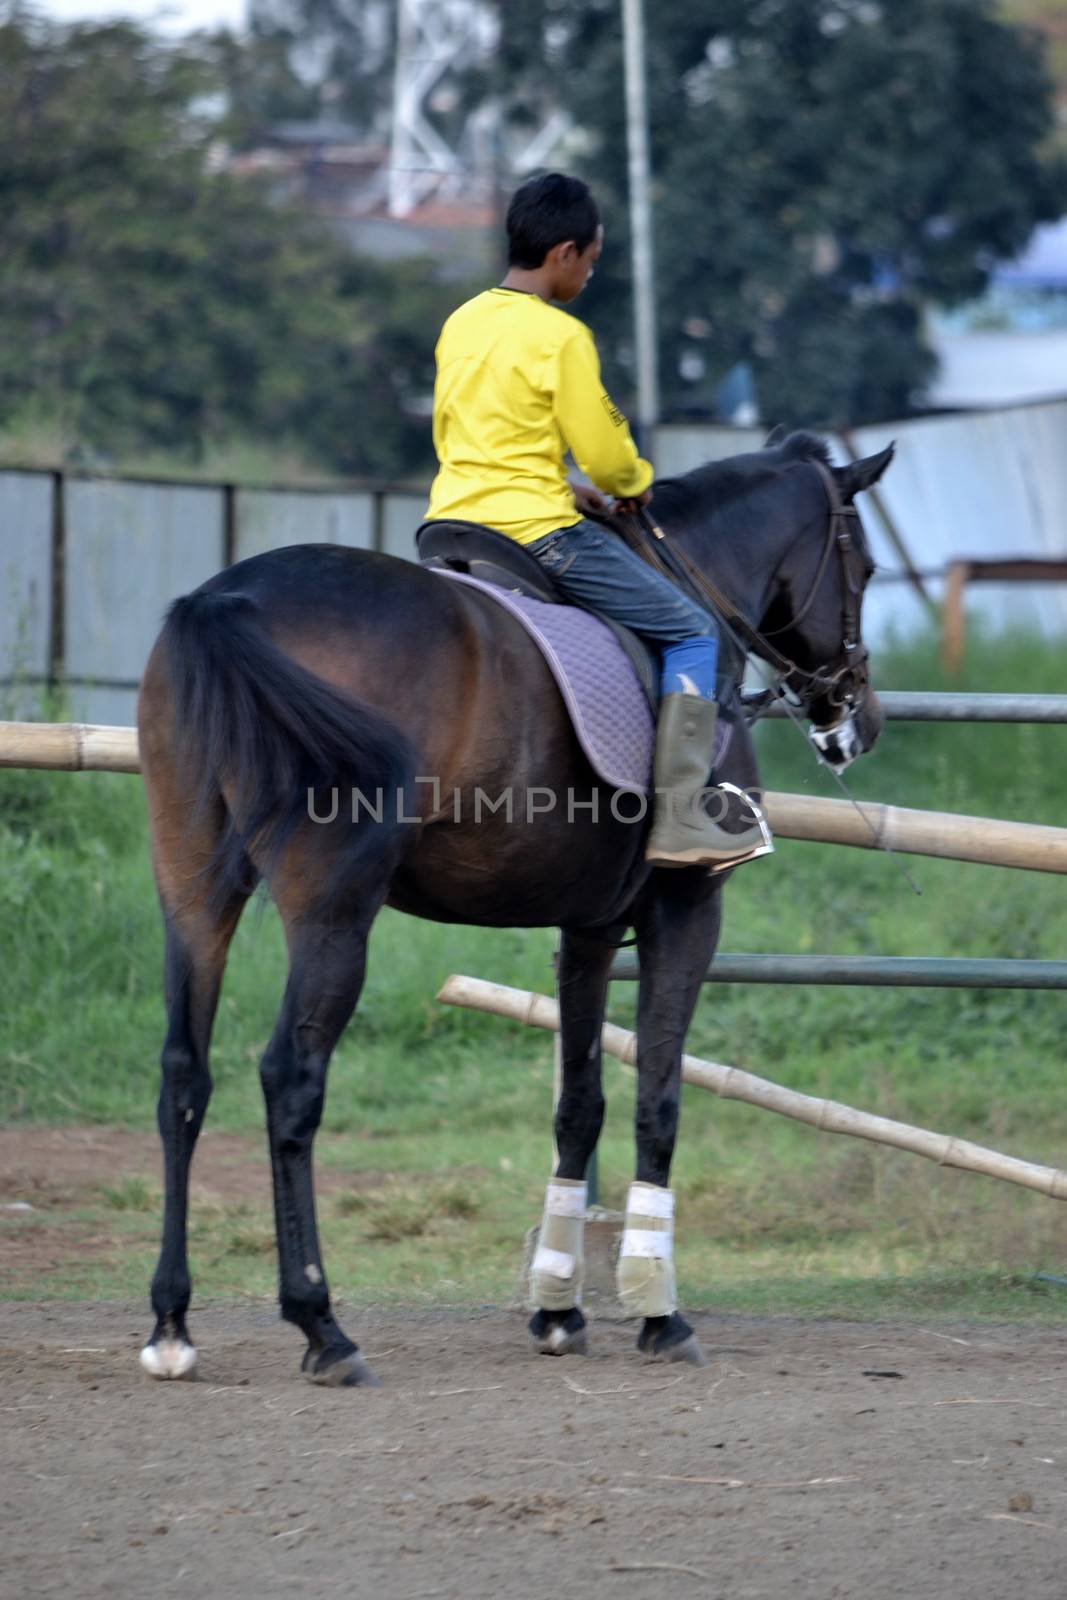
77	747
69	747
869	825
731	1083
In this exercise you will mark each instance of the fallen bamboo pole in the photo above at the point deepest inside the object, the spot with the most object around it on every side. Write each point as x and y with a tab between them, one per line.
78	747
731	1083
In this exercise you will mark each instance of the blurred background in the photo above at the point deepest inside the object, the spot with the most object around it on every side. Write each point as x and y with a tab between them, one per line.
242	221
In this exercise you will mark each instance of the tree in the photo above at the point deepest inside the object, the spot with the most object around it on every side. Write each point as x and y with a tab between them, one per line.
341	50
149	299
825	169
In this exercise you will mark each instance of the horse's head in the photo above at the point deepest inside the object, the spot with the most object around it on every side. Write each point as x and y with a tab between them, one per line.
812	608
774	542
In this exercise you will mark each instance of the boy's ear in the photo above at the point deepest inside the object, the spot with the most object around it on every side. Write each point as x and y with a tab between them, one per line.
563	252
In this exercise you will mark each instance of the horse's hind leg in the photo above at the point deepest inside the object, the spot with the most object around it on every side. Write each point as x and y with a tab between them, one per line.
198	931
557	1325
327	957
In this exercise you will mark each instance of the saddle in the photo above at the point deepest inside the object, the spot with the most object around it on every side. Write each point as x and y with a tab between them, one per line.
481	552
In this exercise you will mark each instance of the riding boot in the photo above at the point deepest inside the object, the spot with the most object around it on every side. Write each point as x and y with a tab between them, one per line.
683	834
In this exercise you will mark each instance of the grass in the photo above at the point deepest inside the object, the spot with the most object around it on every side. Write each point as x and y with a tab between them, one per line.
436	1137
133	1193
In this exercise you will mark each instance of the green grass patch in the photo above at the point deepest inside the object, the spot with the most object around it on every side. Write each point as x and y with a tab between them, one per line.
437	1131
131	1194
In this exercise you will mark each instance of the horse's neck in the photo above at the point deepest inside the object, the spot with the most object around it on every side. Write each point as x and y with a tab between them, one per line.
746	575
747	571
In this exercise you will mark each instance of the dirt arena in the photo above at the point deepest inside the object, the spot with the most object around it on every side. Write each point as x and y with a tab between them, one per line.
820	1460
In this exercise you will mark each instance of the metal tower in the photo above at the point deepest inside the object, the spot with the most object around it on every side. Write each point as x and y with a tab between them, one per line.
433	38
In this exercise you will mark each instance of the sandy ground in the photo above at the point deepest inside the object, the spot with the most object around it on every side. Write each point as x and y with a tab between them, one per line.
814	1459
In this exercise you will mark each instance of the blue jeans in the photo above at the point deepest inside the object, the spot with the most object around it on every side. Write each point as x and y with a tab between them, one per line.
597	569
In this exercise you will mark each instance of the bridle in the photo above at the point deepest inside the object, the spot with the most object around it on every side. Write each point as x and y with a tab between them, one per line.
845	682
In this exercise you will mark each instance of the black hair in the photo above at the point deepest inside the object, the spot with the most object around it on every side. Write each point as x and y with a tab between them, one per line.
548	211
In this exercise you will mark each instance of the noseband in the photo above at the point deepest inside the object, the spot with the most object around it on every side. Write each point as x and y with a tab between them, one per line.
845	683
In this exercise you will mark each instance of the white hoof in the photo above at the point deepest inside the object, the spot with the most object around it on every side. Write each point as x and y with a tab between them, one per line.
169	1358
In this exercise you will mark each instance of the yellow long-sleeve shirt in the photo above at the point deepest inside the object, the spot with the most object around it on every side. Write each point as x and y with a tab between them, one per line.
518	383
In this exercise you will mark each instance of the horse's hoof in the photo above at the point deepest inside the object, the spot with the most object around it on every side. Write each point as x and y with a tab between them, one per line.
559	1333
169	1358
689	1350
558	1342
346	1371
670	1339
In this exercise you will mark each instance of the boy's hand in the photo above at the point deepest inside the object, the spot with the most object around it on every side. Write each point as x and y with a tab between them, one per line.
587	499
633	503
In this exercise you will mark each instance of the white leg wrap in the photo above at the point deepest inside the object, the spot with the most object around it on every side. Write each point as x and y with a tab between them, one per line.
557	1269
645	1273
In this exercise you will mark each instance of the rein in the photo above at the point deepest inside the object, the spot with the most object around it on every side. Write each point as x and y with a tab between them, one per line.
840	683
846	687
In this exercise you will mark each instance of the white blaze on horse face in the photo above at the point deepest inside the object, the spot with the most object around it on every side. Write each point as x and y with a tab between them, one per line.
838	746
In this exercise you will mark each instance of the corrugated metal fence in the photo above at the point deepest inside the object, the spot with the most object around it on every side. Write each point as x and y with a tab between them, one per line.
982	485
89	564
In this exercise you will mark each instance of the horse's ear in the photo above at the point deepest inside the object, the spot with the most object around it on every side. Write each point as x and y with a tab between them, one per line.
777	434
860	475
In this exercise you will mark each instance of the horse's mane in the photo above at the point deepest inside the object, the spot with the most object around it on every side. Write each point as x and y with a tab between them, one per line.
710	490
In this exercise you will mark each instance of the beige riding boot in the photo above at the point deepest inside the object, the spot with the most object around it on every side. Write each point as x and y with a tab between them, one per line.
683	833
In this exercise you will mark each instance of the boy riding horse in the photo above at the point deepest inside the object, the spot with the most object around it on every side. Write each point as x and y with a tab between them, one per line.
518	383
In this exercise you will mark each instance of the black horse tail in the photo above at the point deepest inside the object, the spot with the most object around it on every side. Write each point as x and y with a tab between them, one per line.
286	744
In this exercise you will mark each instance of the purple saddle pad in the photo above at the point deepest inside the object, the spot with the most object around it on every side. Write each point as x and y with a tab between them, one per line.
605	700
607	706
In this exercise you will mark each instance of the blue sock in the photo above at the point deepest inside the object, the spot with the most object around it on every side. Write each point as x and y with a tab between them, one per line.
689	667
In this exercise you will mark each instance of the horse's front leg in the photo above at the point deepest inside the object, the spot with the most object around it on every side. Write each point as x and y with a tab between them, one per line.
676	936
558	1326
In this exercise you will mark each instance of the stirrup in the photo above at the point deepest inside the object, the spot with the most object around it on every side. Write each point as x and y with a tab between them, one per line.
766	845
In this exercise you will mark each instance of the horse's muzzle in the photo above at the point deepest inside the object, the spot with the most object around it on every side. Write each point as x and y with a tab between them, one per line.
838	746
853	735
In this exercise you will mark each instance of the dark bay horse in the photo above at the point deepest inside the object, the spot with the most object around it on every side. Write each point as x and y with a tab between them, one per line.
317	671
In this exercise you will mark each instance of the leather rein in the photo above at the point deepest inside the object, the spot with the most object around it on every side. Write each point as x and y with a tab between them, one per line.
845	683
